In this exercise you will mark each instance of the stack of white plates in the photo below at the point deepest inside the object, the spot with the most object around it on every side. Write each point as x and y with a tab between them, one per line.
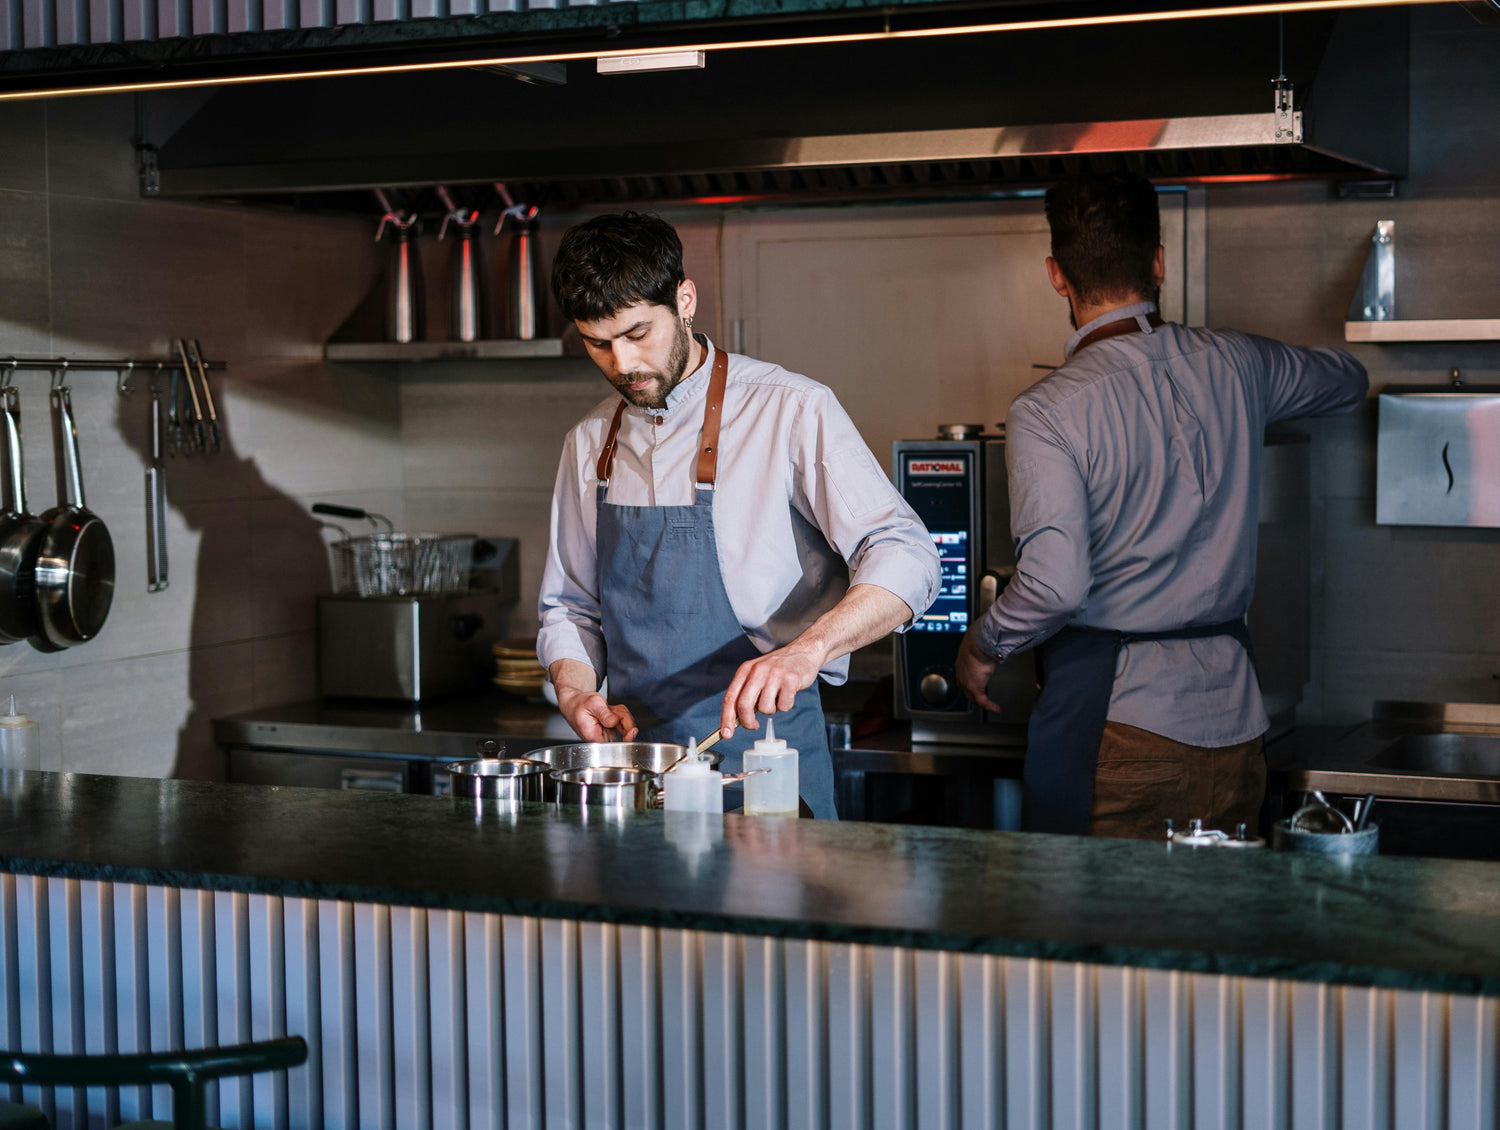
516	666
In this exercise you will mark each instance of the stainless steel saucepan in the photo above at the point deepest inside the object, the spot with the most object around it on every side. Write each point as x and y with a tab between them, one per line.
75	566
20	535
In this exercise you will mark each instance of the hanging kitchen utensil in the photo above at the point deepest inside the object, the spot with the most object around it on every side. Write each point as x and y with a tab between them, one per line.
523	274
20	536
156	500
215	436
403	273
466	289
174	415
196	439
75	566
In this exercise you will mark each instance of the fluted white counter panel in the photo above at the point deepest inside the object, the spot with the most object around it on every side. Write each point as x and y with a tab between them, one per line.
437	1018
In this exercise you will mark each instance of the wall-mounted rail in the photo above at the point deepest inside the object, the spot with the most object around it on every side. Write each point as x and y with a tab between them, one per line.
123	367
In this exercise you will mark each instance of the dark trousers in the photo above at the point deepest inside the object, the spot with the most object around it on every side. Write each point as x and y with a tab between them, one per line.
1143	780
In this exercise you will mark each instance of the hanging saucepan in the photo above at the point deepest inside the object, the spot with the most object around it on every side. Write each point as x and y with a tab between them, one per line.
75	567
20	535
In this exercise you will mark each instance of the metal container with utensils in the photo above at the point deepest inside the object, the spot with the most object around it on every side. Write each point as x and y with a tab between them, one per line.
610	786
512	779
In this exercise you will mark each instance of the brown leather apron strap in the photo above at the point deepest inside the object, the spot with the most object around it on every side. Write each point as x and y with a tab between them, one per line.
713	414
1123	326
708	446
606	462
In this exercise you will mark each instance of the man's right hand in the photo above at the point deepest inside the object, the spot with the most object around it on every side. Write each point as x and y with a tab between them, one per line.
973	670
587	711
592	717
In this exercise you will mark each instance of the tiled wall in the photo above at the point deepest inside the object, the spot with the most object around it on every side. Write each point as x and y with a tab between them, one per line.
87	268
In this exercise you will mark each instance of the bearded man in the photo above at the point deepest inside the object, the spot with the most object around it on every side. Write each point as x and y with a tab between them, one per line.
722	537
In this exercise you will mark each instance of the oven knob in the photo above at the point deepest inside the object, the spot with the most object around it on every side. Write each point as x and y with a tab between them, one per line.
935	688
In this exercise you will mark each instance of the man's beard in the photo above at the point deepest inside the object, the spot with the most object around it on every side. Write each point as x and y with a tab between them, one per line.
662	382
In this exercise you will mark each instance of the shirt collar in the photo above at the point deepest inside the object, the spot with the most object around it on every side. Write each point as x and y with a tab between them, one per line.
690	388
1137	310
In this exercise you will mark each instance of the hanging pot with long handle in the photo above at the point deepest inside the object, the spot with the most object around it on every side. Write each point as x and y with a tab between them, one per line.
20	536
75	567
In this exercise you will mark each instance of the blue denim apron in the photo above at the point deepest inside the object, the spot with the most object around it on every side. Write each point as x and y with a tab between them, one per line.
674	642
1077	672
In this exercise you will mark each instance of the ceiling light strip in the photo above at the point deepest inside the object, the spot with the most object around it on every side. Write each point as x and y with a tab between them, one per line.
1060	23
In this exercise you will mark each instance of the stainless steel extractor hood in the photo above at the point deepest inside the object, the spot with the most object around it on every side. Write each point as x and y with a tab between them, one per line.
1185	102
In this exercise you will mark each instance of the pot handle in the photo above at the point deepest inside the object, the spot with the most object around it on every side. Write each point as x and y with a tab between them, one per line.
62	405
16	481
736	778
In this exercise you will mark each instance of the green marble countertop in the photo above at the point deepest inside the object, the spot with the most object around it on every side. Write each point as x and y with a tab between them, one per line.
1394	922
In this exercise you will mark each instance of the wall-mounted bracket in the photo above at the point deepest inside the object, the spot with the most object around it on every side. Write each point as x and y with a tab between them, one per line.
1372	312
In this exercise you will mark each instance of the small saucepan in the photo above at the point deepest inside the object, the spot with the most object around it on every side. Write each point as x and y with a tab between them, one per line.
75	565
20	535
511	779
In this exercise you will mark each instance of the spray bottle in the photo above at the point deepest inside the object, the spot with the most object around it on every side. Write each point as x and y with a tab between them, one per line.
773	793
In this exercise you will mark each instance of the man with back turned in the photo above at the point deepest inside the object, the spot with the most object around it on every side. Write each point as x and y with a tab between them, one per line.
1135	488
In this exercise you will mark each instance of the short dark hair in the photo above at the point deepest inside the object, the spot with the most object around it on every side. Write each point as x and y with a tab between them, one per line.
1106	228
616	260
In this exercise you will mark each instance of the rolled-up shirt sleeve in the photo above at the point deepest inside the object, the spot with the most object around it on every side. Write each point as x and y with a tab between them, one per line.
1049	521
568	606
841	488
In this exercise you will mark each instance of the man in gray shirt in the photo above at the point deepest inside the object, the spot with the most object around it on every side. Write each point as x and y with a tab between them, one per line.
1135	490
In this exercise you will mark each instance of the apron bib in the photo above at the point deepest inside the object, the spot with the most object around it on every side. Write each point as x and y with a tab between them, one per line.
673	639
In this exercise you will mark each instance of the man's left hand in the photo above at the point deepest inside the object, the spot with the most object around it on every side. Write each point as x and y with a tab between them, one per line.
768	684
973	669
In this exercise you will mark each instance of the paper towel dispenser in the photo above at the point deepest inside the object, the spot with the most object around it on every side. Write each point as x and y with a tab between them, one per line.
1438	457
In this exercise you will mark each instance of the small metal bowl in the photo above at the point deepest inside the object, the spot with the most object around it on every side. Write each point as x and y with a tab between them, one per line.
513	779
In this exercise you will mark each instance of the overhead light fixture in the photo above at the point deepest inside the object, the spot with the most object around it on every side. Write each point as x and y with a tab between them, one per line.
887	34
664	61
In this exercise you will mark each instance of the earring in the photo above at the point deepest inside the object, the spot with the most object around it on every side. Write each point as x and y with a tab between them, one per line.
689	321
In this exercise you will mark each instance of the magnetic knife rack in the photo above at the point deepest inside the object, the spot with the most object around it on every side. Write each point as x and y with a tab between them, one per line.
125	368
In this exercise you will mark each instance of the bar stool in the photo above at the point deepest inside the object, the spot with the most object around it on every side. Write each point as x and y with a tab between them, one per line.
188	1073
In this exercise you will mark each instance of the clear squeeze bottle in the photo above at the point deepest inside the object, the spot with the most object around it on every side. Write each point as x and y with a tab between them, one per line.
695	785
773	793
20	740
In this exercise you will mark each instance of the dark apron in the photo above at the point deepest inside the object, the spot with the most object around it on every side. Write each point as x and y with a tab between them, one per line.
1076	668
1077	673
674	642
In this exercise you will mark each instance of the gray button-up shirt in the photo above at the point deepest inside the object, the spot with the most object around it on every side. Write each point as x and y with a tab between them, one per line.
1135	494
802	509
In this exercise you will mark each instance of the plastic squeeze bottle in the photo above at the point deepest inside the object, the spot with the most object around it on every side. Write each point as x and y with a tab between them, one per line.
774	793
20	740
694	785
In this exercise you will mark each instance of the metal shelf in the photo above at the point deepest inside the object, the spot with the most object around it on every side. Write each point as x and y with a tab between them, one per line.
1430	329
504	349
1372	312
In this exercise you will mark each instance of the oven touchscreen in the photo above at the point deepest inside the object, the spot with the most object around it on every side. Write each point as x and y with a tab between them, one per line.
950	611
939	490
